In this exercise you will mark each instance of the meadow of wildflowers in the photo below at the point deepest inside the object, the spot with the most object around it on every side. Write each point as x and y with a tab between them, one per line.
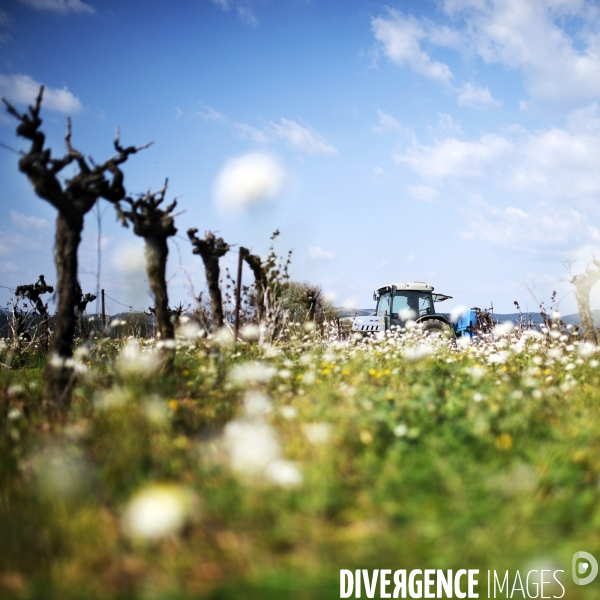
260	472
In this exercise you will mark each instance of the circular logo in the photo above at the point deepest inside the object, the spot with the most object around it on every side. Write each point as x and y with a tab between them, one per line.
585	568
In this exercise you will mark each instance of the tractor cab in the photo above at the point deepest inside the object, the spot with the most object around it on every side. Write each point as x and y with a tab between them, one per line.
401	302
397	304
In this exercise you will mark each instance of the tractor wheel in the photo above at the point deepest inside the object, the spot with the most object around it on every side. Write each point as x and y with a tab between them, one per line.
435	326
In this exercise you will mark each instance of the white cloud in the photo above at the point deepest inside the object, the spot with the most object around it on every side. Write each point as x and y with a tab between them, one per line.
301	137
5	19
401	38
387	123
287	130
245	131
317	253
22	89
60	6
243	8
544	230
248	132
25	222
410	258
424	193
378	171
7	267
554	165
511	210
553	44
476	97
454	158
247	181
446	124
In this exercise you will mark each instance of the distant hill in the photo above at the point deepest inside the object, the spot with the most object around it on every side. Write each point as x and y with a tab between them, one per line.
573	319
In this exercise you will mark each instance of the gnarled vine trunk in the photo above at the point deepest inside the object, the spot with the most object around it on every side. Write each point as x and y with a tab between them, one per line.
211	249
156	252
72	198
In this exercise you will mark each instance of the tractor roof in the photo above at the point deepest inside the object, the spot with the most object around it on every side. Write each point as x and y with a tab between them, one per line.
419	286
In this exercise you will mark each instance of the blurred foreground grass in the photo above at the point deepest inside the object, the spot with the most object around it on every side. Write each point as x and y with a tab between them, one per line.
255	473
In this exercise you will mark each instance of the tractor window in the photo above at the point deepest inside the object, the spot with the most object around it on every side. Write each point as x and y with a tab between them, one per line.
408	300
383	306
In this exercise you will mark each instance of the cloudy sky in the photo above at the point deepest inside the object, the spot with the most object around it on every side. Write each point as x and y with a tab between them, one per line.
451	141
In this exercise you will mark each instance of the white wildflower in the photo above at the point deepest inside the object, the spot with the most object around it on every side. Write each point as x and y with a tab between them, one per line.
16	389
347	390
477	397
475	372
252	372
587	349
189	330
56	361
271	351
463	342
223	336
284	473
251	447
112	399
555	353
456	313
14	414
417	352
60	471
288	412
400	430
156	410
316	433
170	344
503	329
499	358
407	314
132	361
159	511
256	405
250	332
309	377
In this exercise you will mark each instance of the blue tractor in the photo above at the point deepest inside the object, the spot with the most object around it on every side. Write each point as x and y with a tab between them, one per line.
401	302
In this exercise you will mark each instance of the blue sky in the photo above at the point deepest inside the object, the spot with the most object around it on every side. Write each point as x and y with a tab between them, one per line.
450	141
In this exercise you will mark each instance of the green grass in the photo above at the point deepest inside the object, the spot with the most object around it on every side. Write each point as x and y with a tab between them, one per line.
399	453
